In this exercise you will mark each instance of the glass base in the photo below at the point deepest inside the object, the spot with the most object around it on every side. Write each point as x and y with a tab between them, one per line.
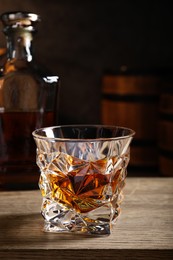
61	219
92	229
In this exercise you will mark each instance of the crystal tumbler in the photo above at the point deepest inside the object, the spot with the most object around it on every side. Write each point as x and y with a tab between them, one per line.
83	170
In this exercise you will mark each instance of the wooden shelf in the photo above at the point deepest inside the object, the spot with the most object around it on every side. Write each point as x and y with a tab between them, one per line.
144	229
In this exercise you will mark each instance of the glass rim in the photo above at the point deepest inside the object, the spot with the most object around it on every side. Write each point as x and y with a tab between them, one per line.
97	139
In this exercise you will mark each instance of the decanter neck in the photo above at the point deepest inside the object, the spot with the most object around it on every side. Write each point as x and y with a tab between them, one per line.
19	45
19	28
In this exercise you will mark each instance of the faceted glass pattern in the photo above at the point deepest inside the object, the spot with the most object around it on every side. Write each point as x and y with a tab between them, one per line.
83	170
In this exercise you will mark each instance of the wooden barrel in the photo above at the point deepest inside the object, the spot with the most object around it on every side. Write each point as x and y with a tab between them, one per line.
166	134
132	101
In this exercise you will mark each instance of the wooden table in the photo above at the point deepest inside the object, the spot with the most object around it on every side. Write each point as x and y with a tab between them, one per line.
143	231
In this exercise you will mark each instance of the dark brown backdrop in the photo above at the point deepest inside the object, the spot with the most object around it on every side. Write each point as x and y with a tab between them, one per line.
79	40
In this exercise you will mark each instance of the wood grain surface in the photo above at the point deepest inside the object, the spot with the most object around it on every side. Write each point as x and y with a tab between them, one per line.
144	229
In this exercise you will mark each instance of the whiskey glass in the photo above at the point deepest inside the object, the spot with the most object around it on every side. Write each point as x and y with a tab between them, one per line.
83	170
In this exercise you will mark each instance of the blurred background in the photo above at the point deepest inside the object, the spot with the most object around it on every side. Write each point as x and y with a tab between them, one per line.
115	61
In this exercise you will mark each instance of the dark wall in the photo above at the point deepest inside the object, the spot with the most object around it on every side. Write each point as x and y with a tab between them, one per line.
79	40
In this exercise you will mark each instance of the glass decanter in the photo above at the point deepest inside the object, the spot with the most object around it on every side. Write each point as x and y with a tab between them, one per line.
28	100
